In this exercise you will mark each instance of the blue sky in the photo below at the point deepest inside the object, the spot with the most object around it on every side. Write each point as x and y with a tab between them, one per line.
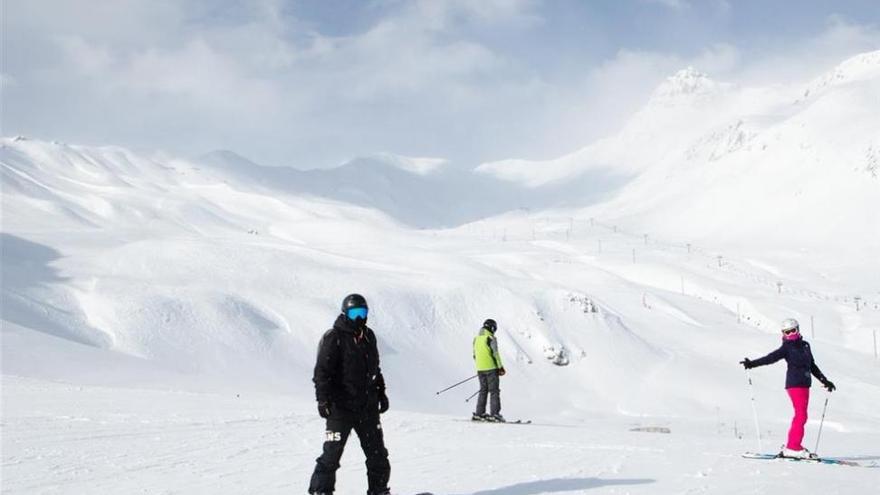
313	83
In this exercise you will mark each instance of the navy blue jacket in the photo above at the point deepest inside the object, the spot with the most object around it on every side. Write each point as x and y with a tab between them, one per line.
800	363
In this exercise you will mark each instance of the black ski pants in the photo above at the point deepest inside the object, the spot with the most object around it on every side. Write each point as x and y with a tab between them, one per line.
369	432
489	384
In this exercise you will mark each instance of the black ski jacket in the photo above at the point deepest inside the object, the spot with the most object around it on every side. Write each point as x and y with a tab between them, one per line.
800	363
347	373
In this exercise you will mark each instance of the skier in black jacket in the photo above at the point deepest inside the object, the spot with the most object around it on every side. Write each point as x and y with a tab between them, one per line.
796	352
350	391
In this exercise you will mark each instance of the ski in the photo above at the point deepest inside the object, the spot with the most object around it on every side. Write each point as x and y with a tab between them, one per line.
507	422
817	460
519	422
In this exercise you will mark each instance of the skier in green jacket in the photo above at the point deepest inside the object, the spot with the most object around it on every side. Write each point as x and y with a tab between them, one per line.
489	368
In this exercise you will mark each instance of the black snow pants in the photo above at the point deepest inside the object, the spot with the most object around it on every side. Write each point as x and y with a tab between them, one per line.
489	385
369	432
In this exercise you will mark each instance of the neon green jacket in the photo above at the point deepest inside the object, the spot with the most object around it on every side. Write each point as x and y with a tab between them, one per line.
486	353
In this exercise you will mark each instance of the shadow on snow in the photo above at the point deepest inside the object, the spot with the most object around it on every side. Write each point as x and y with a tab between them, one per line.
560	485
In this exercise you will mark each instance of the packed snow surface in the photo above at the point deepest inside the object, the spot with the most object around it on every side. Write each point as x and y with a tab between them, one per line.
126	440
160	316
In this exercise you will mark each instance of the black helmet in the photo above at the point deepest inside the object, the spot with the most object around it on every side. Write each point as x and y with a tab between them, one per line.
490	325
353	301
354	307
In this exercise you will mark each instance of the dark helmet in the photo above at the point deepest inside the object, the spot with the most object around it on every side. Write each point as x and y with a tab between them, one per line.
353	301
490	325
357	303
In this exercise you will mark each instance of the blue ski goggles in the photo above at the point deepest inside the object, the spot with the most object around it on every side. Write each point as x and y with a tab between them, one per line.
355	313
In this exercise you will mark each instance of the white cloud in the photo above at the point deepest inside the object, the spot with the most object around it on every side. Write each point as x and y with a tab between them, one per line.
421	79
718	59
509	12
404	54
198	71
672	4
264	66
85	58
394	58
809	57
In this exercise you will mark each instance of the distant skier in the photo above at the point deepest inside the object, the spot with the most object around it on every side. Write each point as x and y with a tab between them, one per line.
351	394
796	352
489	368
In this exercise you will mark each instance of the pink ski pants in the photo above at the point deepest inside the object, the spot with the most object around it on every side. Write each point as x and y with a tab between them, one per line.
800	399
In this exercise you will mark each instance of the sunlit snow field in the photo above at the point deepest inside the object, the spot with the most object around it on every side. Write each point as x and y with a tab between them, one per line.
161	316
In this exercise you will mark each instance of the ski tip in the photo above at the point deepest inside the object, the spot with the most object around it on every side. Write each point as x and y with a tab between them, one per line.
843	462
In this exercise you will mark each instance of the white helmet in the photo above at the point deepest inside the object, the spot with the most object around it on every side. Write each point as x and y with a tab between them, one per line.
789	323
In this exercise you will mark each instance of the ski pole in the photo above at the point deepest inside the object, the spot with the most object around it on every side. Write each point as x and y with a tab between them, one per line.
457	384
822	421
472	396
755	411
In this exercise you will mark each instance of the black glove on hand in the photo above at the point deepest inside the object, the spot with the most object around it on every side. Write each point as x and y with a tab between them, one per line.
829	385
383	403
747	363
324	409
501	371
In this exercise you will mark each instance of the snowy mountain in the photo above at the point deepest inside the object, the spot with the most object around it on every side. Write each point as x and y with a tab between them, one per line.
418	192
801	181
160	312
789	167
678	112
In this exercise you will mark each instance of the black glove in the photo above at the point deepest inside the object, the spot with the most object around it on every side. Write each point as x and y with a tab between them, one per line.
829	385
324	409
383	403
747	363
501	371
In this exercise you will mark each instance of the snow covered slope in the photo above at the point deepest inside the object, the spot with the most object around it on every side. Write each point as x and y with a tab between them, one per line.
770	166
164	262
178	303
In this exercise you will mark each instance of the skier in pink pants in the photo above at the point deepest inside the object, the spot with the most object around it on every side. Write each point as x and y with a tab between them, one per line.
796	352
